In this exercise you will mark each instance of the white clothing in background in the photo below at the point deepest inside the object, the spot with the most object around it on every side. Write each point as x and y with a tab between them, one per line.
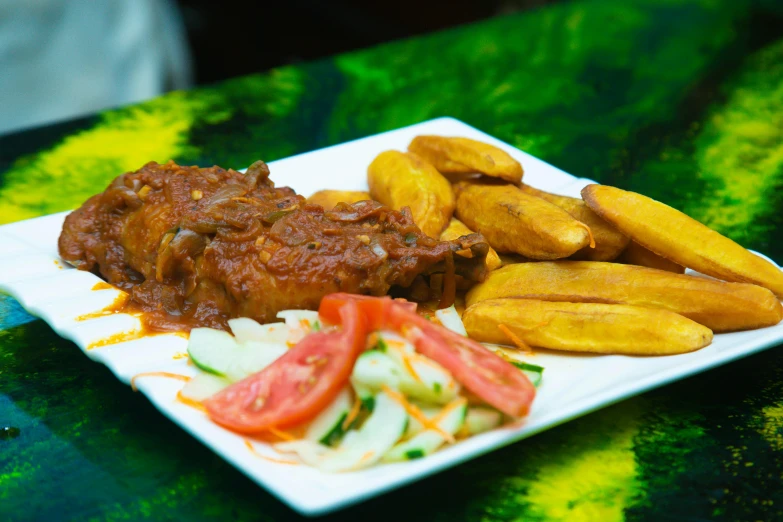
65	58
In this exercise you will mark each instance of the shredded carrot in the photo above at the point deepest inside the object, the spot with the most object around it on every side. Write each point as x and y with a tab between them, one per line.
408	366
280	434
355	409
514	338
589	233
416	413
456	403
304	323
157	374
253	450
366	457
190	402
393	343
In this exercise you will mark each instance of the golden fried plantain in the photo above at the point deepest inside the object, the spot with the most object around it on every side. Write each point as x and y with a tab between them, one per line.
585	327
399	179
510	259
457	229
609	243
679	238
329	198
636	254
463	155
720	306
513	221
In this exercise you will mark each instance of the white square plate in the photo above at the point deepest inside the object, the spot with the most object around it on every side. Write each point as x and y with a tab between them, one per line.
573	385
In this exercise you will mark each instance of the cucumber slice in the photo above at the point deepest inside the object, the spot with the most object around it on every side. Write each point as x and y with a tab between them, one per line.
209	349
396	341
431	382
365	446
481	419
203	386
217	352
365	394
294	318
327	427
414	426
374	369
449	318
250	358
310	452
246	329
451	420
358	449
534	373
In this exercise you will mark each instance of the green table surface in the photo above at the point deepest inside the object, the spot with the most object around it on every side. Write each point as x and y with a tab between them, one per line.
679	99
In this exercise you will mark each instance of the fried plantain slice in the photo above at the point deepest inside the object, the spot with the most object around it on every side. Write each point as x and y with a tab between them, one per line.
399	179
457	229
585	327
516	222
679	238
463	155
329	198
636	254
609	243
720	306
510	259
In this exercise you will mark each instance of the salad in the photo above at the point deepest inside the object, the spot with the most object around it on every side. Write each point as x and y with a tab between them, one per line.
363	380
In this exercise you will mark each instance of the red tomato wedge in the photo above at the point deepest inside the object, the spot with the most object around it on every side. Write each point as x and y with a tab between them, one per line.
374	309
493	379
298	385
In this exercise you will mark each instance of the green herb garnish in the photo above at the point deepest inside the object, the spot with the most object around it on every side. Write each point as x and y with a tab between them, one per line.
414	454
529	367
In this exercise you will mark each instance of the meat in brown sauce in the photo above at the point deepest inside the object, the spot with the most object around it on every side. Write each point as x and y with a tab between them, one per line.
197	246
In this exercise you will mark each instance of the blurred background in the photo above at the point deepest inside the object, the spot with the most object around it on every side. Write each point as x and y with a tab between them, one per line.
61	59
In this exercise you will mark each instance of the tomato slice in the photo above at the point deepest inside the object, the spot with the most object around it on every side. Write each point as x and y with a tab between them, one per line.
298	385
493	379
374	309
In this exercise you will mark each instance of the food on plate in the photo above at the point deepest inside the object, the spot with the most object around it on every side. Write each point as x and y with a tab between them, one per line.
353	377
195	247
516	222
609	243
457	229
330	198
636	254
463	155
368	381
680	238
720	306
399	179
510	259
586	327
